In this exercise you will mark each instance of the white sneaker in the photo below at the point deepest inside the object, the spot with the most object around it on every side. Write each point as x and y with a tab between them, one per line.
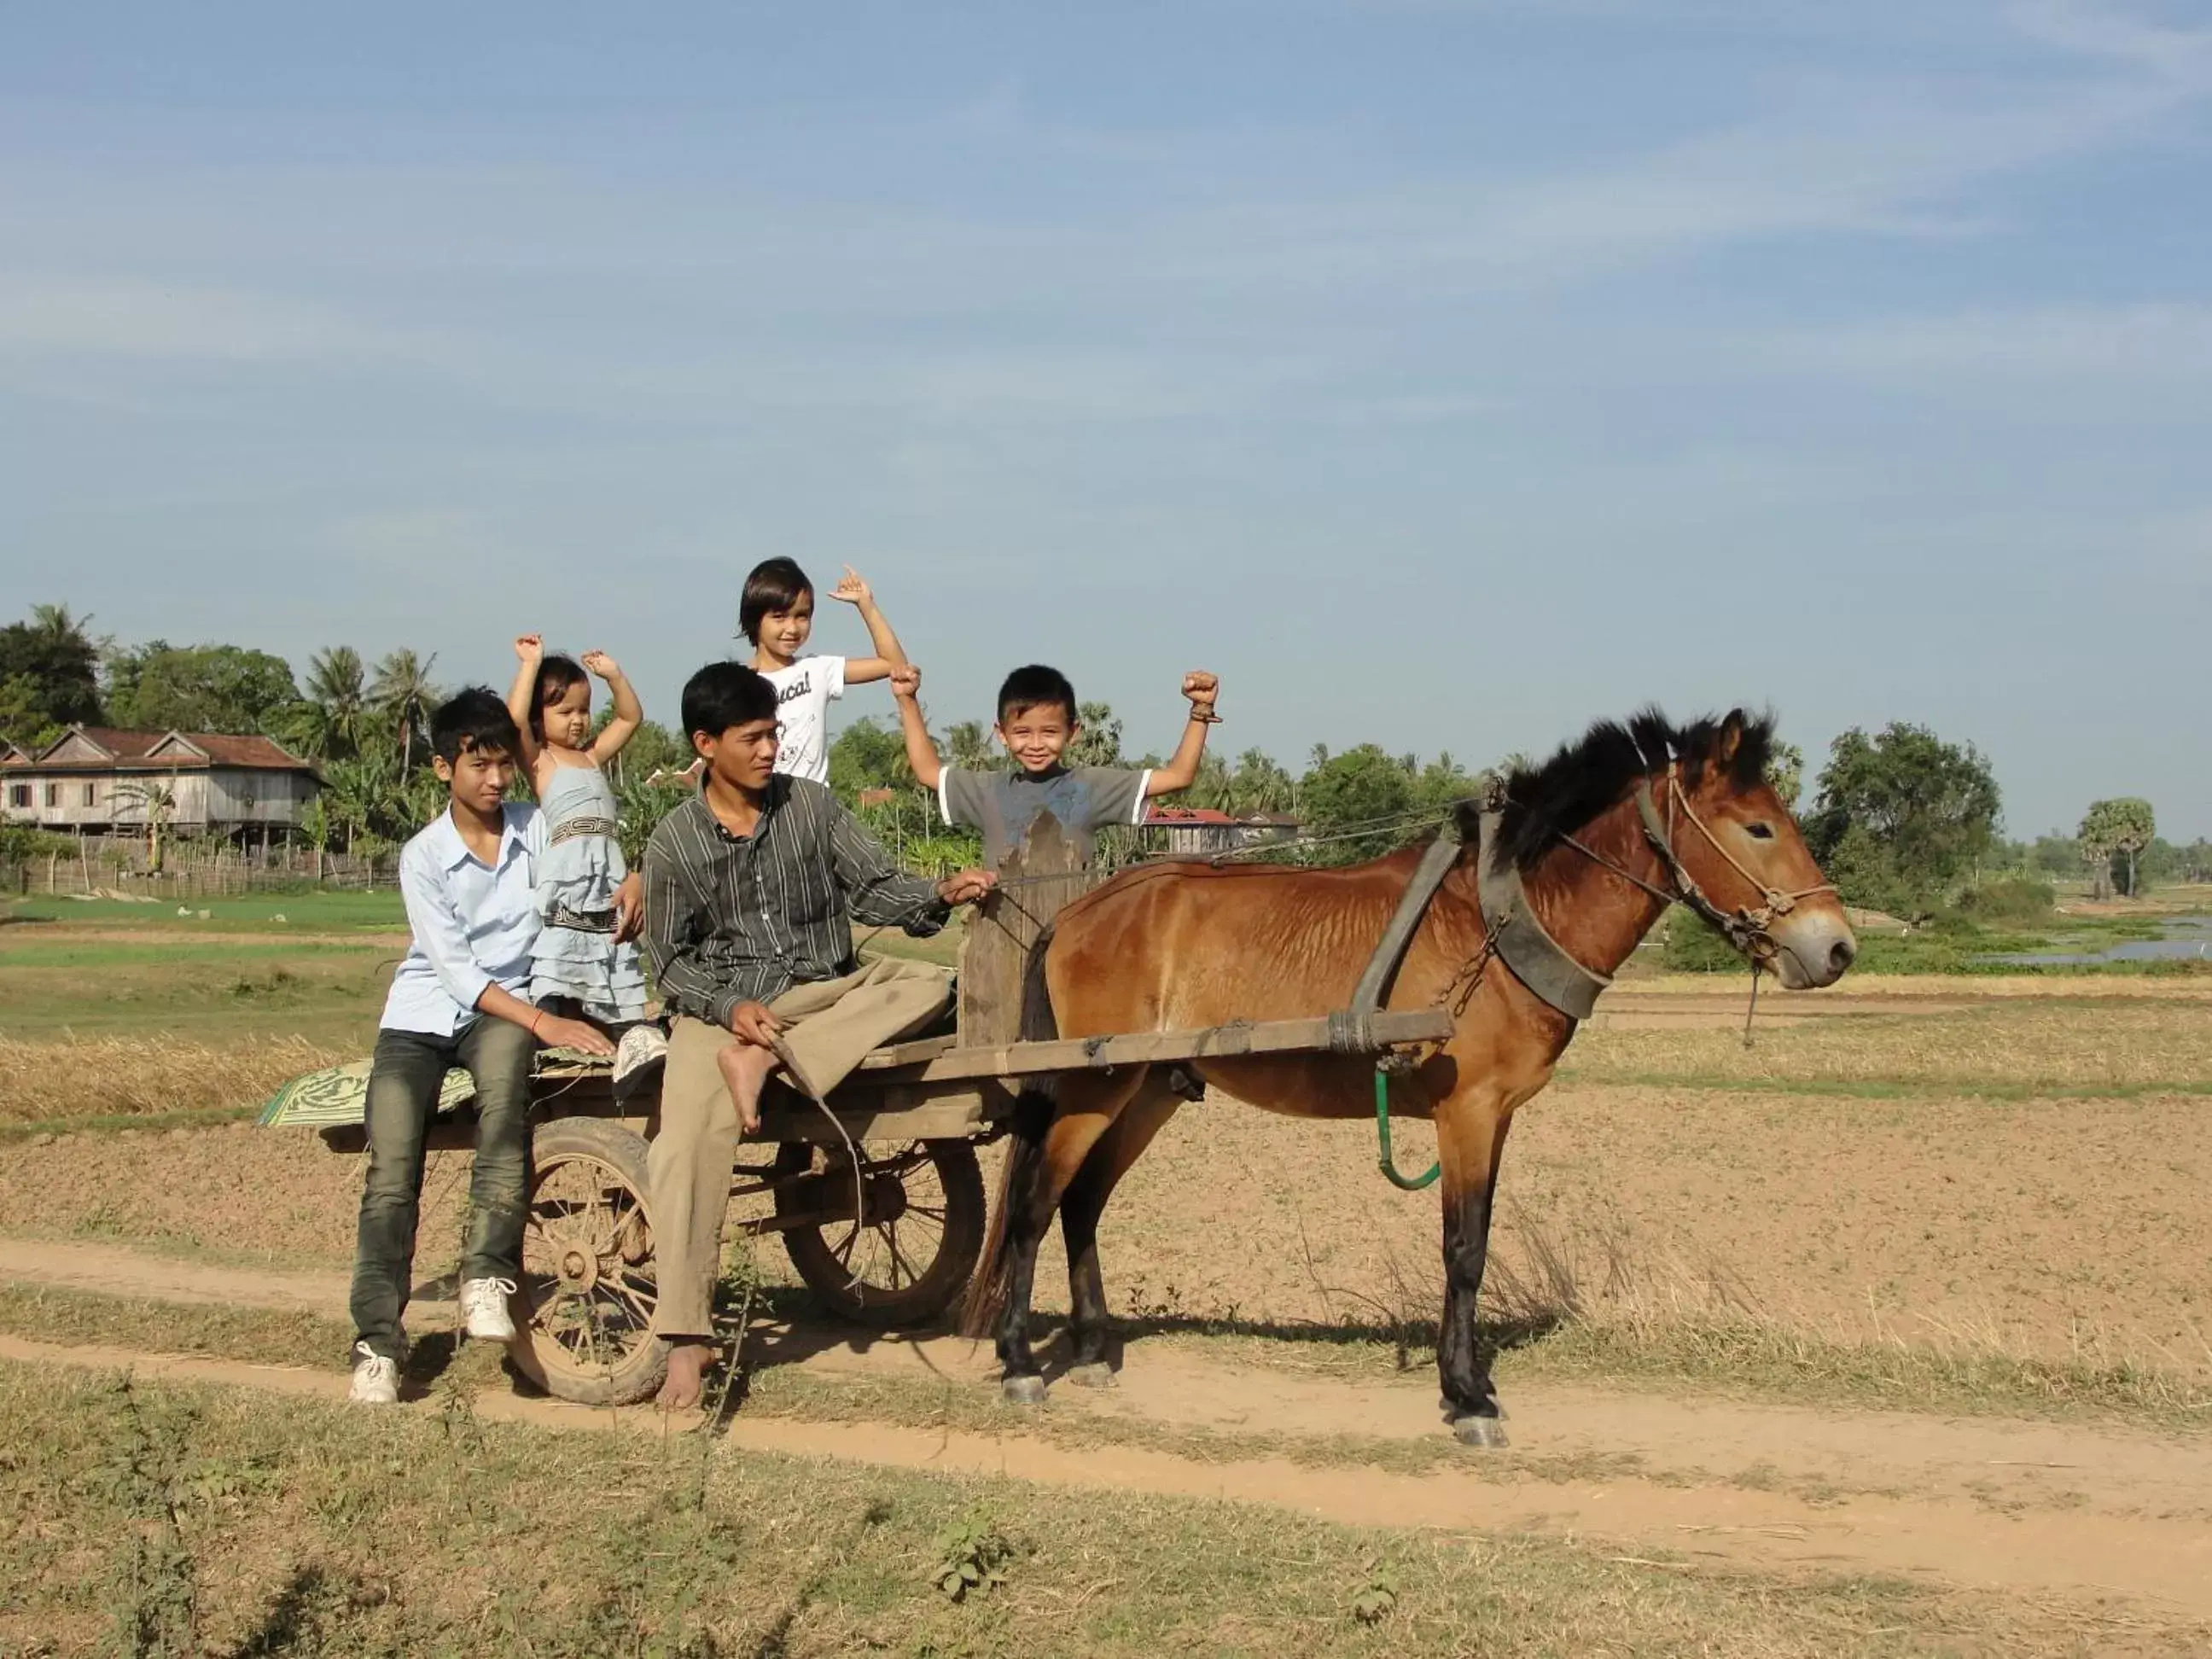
375	1379
484	1308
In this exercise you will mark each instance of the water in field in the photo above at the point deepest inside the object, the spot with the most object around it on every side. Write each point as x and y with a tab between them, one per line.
2184	937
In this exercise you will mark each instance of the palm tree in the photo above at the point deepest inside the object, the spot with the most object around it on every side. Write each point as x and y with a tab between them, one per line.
54	651
402	693
1213	787
158	801
337	703
1260	785
968	745
1099	742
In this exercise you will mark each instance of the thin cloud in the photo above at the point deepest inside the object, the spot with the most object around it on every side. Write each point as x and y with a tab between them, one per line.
121	318
2136	343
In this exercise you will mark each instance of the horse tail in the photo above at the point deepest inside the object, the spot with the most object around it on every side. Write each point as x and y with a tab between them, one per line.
992	1283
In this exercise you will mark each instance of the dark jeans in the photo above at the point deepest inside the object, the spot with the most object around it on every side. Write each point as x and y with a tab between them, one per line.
403	1091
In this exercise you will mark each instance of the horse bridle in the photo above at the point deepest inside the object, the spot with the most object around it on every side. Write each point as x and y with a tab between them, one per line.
1750	931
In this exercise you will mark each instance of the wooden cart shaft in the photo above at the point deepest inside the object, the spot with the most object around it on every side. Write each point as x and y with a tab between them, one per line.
931	1090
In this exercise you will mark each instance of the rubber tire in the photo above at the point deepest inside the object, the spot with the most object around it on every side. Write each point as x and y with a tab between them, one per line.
640	1375
938	1288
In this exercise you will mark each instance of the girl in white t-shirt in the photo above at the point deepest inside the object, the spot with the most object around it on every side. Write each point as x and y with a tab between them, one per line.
777	616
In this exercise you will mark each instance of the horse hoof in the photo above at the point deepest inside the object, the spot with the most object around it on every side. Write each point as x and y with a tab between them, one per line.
1025	1390
1096	1375
1452	1413
1484	1432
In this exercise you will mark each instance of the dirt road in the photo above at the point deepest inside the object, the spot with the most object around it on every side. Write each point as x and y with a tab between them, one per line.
2019	1506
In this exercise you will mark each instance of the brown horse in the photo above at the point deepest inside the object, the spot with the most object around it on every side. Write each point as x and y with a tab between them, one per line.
1604	835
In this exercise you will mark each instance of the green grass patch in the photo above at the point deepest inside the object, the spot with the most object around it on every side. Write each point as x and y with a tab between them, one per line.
191	989
2013	1048
1958	943
306	911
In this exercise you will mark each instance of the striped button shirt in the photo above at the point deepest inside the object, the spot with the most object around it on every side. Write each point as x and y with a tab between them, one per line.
733	919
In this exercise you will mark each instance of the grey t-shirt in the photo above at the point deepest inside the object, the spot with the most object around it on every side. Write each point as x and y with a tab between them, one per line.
1003	805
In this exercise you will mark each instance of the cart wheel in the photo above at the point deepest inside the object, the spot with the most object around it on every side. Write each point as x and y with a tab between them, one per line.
909	1257
587	1266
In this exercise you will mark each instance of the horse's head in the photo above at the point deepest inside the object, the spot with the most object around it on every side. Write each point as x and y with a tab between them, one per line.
1735	854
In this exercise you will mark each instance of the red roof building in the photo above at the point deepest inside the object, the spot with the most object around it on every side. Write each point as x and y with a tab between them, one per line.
92	780
1205	831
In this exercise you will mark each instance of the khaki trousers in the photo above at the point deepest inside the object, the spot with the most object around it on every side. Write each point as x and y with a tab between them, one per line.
828	1026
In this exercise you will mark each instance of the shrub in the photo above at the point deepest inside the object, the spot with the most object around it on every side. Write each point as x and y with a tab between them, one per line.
1692	945
2009	899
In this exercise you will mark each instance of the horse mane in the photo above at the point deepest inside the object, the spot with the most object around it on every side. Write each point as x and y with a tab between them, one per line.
1587	777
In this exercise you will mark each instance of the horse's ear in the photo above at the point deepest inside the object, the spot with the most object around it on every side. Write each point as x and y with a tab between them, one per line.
1731	737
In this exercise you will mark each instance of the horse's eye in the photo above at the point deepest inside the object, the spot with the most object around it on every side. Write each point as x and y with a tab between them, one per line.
1759	831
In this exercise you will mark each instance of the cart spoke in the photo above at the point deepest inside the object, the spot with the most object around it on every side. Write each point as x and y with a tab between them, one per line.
898	1260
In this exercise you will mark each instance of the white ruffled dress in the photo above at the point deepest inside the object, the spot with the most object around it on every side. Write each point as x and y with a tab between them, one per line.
576	954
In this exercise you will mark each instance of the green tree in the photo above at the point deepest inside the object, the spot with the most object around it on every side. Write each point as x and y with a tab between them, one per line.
335	717
315	827
1345	798
157	803
869	754
1902	816
2118	829
652	748
23	719
1442	783
203	688
1785	772
1261	785
2197	861
59	664
2160	862
2054	855
364	796
1099	742
969	746
1214	787
402	693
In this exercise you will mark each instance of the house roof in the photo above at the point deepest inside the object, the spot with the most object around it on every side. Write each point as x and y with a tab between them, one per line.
1163	817
110	749
1186	816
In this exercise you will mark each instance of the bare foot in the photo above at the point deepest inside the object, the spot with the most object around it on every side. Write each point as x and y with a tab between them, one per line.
687	1368
742	1069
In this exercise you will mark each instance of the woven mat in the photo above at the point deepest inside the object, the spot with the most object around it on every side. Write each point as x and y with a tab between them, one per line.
339	1094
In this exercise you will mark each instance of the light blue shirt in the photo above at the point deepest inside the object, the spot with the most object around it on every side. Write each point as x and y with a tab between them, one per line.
473	924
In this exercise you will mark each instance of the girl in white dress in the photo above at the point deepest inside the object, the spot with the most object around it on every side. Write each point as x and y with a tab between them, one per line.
578	967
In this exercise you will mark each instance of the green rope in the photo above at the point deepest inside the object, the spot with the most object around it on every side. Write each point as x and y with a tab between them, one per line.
1387	1164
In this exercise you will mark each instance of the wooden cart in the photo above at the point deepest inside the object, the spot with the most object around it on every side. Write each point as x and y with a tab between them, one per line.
879	1201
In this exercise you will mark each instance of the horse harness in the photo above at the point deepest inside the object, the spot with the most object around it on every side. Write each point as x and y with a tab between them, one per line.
1513	934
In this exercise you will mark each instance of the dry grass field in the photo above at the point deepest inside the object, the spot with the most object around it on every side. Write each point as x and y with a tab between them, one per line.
1938	1200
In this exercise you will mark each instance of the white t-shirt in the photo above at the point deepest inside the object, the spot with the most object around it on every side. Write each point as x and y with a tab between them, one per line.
803	693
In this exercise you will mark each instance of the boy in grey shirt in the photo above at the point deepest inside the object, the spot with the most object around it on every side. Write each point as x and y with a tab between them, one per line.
1037	722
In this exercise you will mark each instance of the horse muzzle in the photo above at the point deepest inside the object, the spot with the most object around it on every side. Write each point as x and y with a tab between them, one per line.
1811	950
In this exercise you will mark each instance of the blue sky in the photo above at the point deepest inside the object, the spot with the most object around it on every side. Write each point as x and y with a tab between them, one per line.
1446	372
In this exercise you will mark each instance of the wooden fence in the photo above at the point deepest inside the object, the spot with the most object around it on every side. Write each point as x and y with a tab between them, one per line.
99	865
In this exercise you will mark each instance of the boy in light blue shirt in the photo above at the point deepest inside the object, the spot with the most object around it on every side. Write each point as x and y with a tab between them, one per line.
469	881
